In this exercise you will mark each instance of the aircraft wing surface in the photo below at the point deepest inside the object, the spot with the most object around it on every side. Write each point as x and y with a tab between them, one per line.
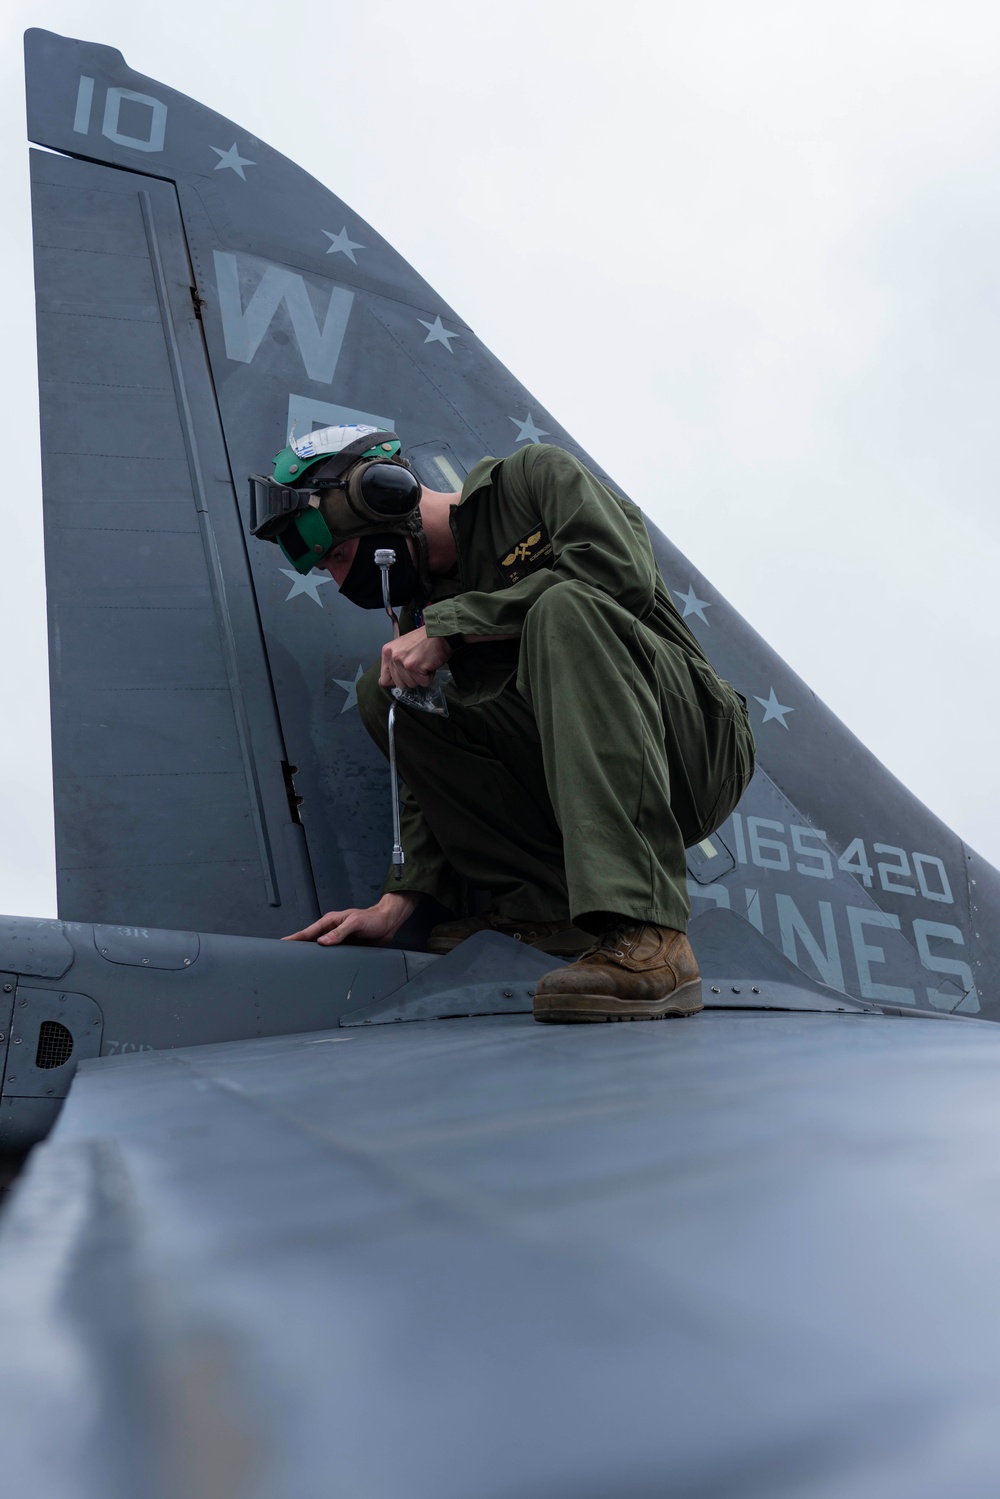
745	1254
425	1246
197	295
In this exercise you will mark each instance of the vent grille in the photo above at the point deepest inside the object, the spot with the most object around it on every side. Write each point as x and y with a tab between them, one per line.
55	1045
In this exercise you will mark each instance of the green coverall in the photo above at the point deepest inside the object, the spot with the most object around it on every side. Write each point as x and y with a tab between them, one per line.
581	758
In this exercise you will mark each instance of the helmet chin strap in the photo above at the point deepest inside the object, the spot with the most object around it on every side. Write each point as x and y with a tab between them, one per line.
415	529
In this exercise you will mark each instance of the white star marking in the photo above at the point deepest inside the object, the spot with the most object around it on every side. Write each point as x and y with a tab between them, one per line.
693	604
340	242
773	709
351	688
231	159
529	432
437	333
306	583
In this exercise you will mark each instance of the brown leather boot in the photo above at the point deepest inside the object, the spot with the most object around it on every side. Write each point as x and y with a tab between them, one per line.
636	972
558	938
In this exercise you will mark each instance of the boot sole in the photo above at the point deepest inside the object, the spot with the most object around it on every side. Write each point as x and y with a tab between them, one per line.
566	1009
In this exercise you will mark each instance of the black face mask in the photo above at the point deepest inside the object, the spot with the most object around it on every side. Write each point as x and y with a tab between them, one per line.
363	584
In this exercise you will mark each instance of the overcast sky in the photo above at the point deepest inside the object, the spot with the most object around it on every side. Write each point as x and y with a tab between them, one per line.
764	236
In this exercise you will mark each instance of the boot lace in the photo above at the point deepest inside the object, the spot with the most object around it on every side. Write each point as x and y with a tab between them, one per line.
610	941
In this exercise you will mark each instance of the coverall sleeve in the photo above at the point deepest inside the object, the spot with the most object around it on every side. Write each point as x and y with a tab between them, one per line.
596	538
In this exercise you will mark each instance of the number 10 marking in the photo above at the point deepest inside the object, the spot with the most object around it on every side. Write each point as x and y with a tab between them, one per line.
112	110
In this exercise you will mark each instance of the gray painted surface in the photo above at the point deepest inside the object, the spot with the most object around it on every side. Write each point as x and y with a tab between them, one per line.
737	1255
493	975
121	990
743	1254
132	989
485	975
216	303
167	749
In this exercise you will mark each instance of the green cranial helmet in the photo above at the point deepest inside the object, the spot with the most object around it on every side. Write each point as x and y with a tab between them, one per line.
305	454
332	485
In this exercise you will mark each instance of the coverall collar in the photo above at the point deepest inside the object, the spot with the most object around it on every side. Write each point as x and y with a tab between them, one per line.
480	476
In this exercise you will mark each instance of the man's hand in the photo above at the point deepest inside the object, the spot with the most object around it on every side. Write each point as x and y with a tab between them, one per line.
376	925
411	660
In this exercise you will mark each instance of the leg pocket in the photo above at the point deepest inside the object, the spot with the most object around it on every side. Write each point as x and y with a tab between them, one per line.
739	761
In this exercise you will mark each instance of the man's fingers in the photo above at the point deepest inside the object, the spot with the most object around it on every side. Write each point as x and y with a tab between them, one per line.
313	933
369	924
404	663
411	674
349	925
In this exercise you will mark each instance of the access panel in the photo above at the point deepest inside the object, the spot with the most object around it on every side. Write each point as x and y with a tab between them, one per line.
170	798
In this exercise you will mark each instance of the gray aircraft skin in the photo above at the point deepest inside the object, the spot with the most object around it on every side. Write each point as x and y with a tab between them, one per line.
347	1220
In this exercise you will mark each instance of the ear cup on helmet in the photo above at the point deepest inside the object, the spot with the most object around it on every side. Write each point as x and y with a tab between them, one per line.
383	489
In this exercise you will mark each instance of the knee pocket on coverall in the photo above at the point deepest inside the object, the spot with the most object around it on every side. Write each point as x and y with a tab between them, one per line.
732	788
709	744
737	757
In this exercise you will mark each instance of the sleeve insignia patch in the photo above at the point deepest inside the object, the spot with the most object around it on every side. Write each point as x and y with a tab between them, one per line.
526	556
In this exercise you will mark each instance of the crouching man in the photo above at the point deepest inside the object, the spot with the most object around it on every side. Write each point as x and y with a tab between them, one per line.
588	740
